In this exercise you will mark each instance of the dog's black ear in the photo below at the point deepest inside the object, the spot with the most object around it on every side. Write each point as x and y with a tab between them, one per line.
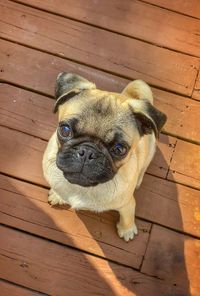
148	118
69	85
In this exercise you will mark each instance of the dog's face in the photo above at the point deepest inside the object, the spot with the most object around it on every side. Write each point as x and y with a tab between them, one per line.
98	131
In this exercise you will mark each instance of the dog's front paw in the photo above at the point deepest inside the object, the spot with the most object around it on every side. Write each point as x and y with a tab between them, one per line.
54	198
127	233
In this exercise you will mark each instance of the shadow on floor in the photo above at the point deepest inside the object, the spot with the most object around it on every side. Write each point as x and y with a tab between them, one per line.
76	272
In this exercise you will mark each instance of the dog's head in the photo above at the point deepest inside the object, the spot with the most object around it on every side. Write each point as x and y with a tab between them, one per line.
98	131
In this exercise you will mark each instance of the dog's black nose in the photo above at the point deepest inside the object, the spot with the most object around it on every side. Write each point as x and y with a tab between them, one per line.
86	153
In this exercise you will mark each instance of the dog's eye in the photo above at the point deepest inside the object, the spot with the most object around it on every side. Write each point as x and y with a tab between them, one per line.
65	131
119	150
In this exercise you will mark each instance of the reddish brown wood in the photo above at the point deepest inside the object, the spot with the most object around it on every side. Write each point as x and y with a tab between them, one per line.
27	111
169	204
21	155
119	54
10	289
188	7
196	91
182	115
25	206
160	164
40	70
185	165
125	17
175	258
57	270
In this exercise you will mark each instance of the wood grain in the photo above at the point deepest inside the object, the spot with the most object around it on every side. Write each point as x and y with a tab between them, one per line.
185	164
14	290
125	17
63	37
196	91
27	111
188	7
174	258
21	155
40	70
57	270
169	204
164	151
24	206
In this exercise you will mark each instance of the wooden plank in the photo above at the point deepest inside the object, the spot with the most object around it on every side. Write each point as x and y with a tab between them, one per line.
21	155
57	270
11	289
94	233
188	7
169	204
25	163
175	258
185	165
182	115
160	164
27	111
83	43
125	17
16	102
44	67
196	91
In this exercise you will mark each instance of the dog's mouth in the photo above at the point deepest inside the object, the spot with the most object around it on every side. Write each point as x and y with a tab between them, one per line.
80	179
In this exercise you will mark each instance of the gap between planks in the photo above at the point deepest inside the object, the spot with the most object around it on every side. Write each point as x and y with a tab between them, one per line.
156	5
138	217
9	286
112	30
76	249
92	67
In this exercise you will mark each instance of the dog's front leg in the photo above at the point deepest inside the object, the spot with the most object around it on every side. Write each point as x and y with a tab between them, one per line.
126	226
54	198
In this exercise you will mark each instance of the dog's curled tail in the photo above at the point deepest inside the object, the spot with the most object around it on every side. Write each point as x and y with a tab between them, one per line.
138	89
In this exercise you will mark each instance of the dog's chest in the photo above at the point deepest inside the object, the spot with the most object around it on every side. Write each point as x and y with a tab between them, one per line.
93	199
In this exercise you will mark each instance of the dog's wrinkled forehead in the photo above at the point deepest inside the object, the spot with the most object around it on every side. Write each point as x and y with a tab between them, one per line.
98	113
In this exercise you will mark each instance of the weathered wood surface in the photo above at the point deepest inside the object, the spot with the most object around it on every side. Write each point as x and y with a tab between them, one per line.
83	43
174	258
196	90
56	270
25	207
187	7
169	204
11	289
185	164
125	17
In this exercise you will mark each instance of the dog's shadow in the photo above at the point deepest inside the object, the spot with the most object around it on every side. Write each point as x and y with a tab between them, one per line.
162	264
163	257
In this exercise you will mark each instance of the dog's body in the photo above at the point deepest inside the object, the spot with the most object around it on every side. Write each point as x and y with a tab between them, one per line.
82	169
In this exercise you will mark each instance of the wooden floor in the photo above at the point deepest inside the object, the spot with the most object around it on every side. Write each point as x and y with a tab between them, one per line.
56	251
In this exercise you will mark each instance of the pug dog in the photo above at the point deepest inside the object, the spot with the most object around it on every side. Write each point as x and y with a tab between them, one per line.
101	148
